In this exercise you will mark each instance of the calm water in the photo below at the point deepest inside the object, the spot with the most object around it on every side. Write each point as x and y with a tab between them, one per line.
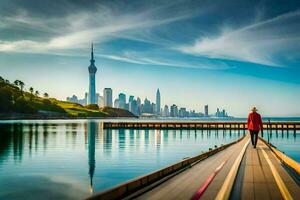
60	159
285	141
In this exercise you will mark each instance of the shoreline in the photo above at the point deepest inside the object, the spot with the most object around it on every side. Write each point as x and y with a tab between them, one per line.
54	117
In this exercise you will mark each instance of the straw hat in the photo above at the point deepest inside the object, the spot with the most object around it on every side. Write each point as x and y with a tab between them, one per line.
254	109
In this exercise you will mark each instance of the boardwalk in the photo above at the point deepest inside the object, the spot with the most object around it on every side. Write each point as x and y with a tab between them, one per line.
208	125
237	172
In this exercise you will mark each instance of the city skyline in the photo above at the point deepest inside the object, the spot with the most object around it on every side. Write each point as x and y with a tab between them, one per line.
218	57
142	106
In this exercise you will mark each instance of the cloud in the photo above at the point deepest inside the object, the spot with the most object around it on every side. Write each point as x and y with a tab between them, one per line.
78	29
146	59
261	42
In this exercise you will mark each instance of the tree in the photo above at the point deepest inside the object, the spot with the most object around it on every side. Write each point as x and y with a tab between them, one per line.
37	93
6	99
16	83
46	95
21	84
31	90
2	79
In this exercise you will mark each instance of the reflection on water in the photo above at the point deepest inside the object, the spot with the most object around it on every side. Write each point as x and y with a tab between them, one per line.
72	159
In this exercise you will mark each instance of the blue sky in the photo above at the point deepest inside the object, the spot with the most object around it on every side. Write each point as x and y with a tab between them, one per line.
227	54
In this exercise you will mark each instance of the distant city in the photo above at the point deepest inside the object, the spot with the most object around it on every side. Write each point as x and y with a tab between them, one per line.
135	105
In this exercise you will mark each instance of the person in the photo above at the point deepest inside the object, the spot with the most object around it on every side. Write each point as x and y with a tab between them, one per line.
254	125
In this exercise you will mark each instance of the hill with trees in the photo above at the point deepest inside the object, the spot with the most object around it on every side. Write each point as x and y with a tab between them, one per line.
16	102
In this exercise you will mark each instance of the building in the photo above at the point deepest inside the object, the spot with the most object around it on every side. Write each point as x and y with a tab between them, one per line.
166	111
174	111
122	100
101	101
206	110
131	98
116	103
183	112
74	99
157	111
107	94
92	85
139	106
218	114
146	108
153	108
133	107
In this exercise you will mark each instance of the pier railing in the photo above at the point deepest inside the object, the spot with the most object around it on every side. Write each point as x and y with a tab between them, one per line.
199	125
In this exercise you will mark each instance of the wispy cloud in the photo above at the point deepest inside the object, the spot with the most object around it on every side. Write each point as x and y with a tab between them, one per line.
78	30
144	59
259	43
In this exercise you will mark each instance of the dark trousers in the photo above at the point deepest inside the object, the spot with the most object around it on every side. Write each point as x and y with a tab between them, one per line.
254	137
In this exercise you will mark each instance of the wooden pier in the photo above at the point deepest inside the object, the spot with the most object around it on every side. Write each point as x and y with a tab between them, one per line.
234	171
199	125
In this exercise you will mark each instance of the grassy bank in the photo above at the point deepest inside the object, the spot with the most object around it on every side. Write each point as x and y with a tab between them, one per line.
15	102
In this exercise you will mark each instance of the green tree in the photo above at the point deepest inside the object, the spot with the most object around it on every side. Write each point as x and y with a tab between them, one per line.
6	99
46	95
31	92
37	93
21	84
2	79
16	83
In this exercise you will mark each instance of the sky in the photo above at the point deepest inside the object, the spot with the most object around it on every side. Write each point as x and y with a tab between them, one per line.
227	54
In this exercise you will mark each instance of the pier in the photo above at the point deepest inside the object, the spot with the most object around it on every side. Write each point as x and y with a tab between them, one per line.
232	171
199	125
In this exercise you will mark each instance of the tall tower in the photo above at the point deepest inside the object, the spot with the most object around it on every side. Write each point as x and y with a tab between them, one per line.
157	102
92	72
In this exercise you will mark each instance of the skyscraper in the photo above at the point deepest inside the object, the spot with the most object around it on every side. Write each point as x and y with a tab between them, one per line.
122	100
174	111
116	103
157	111
92	72
107	93
166	111
206	110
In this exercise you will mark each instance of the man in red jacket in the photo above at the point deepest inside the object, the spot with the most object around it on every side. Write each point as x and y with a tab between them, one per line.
254	125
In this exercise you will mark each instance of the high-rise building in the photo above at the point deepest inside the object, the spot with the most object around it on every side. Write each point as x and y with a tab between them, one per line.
133	107
75	99
107	93
157	111
139	106
166	111
153	108
101	101
182	112
92	85
116	103
218	114
206	110
174	111
122	100
130	99
147	106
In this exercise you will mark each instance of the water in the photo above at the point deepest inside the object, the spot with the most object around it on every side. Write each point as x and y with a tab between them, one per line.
70	159
286	141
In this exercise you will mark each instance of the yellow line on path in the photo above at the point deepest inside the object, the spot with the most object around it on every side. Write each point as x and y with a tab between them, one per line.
226	188
283	189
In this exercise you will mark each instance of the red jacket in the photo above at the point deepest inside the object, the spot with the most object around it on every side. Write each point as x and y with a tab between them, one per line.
254	122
